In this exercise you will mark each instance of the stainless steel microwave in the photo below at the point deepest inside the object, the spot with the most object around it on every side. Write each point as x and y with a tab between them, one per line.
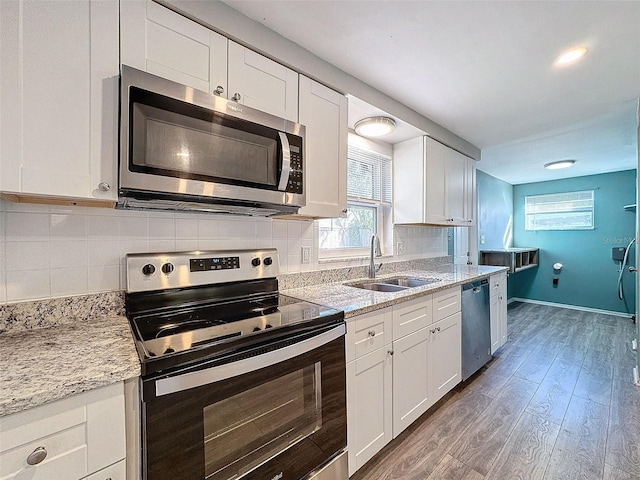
184	149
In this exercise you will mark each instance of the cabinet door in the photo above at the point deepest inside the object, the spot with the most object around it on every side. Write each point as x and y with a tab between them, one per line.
368	332
261	83
445	355
470	200
369	413
411	393
59	67
502	309
436	191
324	114
160	41
409	181
496	327
446	302
411	316
455	187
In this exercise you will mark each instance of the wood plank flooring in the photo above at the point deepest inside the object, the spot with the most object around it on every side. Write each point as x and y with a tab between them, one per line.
556	402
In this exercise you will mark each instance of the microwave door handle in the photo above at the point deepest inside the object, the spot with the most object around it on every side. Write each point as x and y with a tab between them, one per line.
286	162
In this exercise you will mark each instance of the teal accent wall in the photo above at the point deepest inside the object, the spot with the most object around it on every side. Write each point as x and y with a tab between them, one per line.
495	212
589	276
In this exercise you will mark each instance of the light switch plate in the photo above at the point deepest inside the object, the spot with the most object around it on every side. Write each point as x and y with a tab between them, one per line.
400	248
306	254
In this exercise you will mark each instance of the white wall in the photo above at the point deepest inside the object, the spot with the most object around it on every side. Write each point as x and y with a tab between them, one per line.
48	251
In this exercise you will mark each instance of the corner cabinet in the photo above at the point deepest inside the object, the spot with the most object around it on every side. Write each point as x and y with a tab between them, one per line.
433	184
59	65
400	361
498	310
160	41
77	437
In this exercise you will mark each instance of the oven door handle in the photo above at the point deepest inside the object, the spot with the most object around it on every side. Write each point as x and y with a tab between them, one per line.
286	162
179	383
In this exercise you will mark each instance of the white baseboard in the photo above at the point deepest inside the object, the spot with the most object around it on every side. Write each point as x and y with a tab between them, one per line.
570	307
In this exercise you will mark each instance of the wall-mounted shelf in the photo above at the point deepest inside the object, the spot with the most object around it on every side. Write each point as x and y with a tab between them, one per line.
517	259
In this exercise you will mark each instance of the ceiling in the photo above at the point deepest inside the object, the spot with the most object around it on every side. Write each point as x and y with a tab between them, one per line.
484	70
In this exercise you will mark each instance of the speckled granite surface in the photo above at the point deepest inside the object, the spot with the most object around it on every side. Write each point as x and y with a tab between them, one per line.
41	365
356	301
59	311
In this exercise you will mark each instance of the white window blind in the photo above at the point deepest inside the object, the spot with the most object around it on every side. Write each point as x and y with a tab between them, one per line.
560	211
368	175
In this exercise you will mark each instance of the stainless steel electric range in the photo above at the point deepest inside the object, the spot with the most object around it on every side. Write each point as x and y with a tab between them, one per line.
237	381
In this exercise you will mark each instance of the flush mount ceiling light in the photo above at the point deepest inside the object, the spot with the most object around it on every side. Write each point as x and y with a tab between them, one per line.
375	126
570	56
560	164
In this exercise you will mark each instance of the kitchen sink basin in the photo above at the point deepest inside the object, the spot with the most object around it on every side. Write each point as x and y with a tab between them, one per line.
379	287
408	282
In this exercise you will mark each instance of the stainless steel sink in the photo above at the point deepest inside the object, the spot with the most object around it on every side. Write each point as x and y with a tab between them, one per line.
408	282
379	287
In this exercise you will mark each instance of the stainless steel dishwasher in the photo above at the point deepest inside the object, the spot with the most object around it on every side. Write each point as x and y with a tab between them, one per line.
476	327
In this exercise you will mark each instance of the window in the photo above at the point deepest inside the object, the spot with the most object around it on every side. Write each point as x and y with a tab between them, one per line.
559	211
368	205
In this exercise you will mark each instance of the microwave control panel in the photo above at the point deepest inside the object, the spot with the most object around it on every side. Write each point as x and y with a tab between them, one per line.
296	178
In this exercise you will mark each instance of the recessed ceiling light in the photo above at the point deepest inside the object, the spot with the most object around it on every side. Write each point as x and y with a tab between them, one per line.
571	56
375	126
560	164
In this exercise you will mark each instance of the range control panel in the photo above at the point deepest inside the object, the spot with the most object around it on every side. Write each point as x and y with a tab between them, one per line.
159	271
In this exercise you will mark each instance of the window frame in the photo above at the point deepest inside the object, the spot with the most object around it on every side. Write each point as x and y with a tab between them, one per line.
531	225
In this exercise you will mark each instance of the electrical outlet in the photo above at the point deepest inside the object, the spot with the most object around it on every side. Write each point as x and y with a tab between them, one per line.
400	248
482	239
306	254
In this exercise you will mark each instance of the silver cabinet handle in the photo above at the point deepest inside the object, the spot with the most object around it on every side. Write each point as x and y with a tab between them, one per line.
372	333
236	97
633	269
104	187
438	329
219	90
390	352
37	456
344	210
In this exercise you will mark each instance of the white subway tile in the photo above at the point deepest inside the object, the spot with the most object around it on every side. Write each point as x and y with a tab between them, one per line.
27	256
237	229
294	229
186	227
28	285
103	252
26	207
208	227
264	230
104	278
307	230
68	210
279	228
102	227
293	263
161	228
281	246
186	244
69	281
130	227
27	226
132	246
69	253
159	246
64	225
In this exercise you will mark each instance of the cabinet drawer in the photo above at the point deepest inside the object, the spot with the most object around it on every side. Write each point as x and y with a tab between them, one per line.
368	332
411	316
116	471
494	284
445	303
66	457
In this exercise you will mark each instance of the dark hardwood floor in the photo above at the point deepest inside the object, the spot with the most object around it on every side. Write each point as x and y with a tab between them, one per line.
556	402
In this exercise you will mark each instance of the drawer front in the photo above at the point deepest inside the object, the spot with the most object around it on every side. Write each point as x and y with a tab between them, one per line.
368	332
411	316
66	458
494	284
445	303
116	471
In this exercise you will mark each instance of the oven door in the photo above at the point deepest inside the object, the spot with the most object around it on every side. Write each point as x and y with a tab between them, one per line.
177	140
280	414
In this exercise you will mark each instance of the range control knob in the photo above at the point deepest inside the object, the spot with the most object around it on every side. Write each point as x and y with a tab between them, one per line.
167	268
268	261
255	262
148	270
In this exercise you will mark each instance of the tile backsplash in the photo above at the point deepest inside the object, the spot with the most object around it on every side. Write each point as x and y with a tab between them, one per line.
50	251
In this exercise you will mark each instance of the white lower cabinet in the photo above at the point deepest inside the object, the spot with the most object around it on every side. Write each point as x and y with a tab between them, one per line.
67	439
400	361
498	310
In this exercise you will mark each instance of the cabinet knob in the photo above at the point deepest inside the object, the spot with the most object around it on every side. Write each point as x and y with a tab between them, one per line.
344	210
104	187
371	333
37	456
219	90
236	97
390	352
438	329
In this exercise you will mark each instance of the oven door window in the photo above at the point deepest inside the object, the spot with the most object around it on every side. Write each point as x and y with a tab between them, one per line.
244	431
172	138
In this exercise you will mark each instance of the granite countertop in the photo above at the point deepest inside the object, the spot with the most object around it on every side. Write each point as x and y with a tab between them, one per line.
356	301
41	365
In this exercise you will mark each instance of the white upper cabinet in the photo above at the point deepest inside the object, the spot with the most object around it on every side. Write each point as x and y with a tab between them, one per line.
324	114
159	41
59	75
433	184
261	83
